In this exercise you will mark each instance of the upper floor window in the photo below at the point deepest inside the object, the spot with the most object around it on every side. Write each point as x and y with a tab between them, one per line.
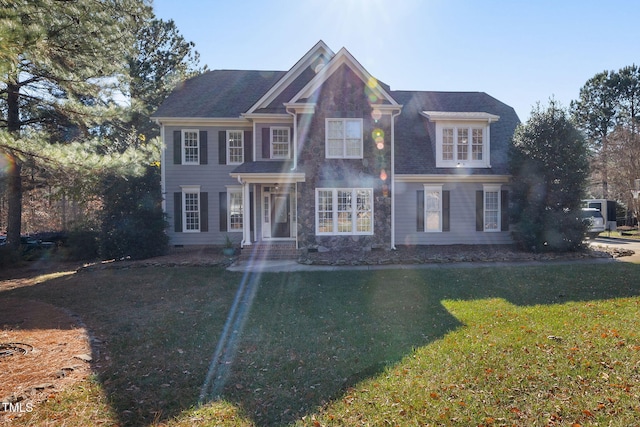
462	138
190	147
280	143
235	147
343	139
461	145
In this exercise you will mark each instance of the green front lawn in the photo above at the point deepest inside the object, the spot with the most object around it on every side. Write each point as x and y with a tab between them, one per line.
468	346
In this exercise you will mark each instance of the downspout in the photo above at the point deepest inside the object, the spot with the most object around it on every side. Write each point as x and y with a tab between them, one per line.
295	139
393	180
295	165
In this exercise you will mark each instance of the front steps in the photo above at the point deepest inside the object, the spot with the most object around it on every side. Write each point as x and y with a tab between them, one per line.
261	251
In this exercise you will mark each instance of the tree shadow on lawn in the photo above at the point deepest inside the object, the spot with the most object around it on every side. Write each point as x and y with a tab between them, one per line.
307	338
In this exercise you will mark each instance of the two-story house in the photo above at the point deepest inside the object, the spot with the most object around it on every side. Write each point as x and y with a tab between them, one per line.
326	156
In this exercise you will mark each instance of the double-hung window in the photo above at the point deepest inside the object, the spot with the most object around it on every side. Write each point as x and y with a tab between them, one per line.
235	147
343	139
462	145
433	208
235	209
462	138
344	211
191	208
190	147
492	214
280	143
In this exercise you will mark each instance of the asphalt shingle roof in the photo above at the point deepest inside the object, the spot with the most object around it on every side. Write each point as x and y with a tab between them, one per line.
218	93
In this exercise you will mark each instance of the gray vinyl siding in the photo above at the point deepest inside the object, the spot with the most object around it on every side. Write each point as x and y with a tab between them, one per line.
212	177
462	218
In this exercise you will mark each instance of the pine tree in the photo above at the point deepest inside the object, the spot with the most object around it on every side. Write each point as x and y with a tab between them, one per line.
61	65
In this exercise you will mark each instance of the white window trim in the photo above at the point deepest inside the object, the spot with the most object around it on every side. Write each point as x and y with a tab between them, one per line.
491	188
234	189
184	160
190	189
344	139
469	163
354	212
229	162
271	129
430	189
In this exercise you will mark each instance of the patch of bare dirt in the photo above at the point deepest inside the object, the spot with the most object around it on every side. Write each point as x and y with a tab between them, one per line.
43	350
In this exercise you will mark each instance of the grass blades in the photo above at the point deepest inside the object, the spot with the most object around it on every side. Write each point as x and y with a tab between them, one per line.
469	346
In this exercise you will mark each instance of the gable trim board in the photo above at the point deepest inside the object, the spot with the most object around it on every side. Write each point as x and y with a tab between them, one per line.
301	100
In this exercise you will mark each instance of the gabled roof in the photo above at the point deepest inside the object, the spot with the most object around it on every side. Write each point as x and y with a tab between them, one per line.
218	93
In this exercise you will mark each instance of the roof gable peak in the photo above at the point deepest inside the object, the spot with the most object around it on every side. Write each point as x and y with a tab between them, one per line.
343	57
316	58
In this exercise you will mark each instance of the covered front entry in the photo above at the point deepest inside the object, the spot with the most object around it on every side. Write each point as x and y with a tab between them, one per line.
274	186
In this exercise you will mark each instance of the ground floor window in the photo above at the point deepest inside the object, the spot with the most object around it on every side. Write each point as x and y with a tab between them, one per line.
491	208
433	208
344	211
191	208
235	211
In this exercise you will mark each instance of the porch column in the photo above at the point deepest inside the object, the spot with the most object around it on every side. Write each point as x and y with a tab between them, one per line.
246	215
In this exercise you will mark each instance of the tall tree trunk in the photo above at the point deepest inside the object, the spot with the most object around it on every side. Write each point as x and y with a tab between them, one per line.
14	211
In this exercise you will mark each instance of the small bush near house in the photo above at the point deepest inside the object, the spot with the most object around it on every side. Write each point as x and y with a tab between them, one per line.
133	223
81	244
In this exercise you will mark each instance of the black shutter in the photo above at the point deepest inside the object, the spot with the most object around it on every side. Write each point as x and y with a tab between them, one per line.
204	148
266	143
177	147
479	210
504	210
420	210
204	211
291	143
446	223
223	211
222	147
177	211
248	146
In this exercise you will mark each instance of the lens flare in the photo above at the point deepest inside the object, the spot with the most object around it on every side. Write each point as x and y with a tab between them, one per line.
378	138
376	114
383	175
6	163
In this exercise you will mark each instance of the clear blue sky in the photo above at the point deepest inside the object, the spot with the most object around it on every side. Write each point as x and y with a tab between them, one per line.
519	51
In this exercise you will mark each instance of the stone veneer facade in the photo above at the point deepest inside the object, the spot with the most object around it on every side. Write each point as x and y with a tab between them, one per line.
344	95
